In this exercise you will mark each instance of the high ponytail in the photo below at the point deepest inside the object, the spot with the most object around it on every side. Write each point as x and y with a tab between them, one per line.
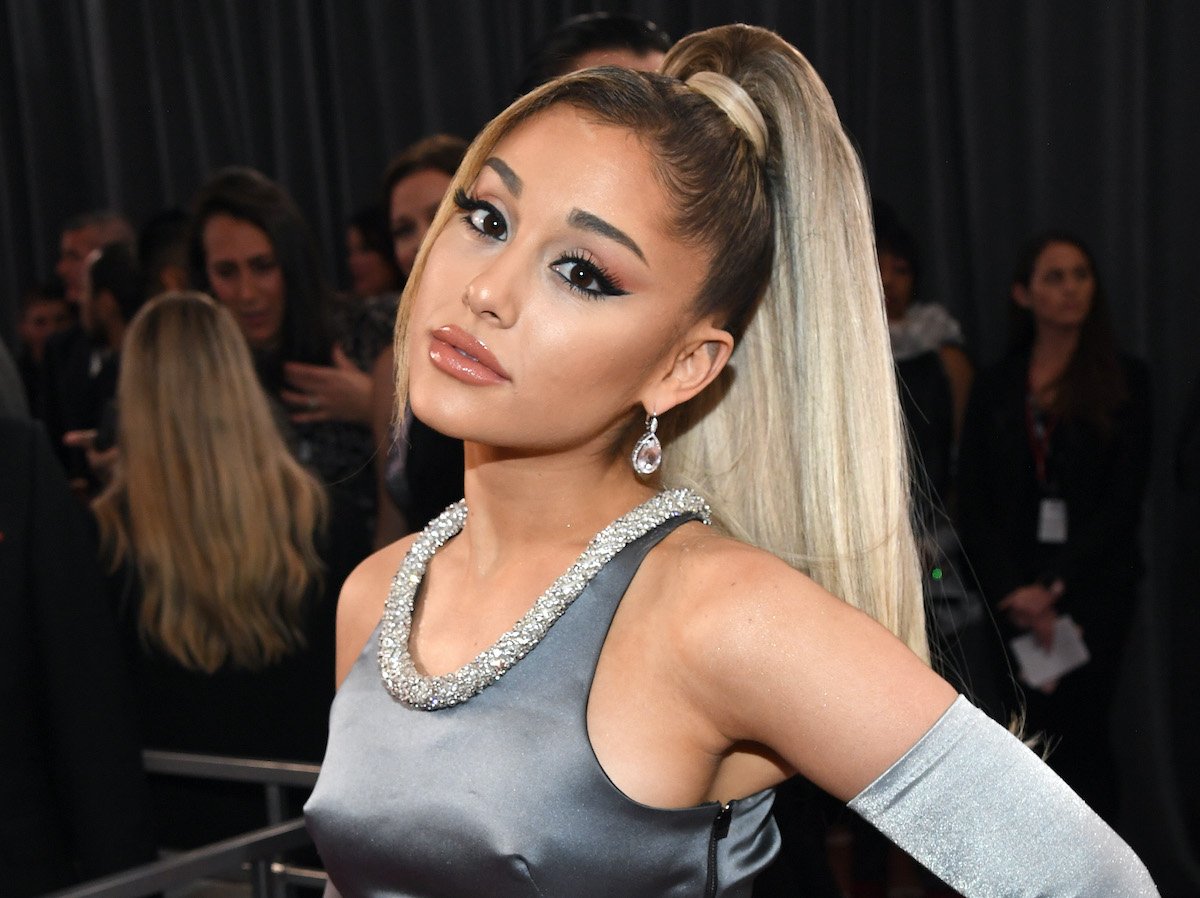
800	446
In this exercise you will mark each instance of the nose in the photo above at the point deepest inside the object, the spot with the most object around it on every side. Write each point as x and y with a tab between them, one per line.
244	287
491	293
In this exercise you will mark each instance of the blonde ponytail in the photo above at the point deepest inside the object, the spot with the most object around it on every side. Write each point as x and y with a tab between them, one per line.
800	447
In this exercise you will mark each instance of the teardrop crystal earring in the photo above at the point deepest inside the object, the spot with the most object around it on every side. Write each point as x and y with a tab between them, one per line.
647	454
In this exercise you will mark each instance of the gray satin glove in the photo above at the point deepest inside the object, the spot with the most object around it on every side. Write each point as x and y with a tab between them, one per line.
982	812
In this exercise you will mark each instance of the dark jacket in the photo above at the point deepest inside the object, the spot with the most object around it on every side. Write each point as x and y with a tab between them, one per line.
73	801
279	712
1101	477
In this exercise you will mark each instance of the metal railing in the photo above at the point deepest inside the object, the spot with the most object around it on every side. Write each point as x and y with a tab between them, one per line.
257	852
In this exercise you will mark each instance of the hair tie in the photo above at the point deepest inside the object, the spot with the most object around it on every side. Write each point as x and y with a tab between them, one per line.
735	103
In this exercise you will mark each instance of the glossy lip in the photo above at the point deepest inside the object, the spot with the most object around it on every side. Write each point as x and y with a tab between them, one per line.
461	355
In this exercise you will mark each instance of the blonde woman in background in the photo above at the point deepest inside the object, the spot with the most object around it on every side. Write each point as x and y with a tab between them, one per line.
214	532
676	268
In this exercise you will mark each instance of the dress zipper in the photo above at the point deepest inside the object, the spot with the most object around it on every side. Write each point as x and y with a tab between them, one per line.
720	829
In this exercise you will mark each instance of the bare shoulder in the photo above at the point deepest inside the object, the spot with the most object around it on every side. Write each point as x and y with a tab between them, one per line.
729	604
718	585
769	656
360	605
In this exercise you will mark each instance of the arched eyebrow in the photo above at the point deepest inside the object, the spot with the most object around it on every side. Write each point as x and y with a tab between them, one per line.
514	184
597	225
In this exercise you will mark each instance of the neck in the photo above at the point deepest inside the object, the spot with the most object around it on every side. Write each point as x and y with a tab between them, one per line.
114	334
523	505
1052	351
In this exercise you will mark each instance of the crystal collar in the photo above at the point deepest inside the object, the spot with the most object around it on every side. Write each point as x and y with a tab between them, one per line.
400	675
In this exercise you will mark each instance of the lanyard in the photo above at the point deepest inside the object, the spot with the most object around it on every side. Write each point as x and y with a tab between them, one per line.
1039	428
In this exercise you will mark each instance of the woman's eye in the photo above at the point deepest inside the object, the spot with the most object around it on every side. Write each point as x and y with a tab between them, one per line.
489	222
481	216
586	277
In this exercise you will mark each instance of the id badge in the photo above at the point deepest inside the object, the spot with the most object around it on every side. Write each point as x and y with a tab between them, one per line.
1052	521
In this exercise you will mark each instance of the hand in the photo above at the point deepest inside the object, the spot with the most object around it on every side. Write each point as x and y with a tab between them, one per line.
80	439
1043	628
1026	604
101	461
337	392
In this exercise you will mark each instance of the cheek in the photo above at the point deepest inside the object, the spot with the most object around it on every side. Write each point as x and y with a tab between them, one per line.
272	287
222	288
583	352
406	253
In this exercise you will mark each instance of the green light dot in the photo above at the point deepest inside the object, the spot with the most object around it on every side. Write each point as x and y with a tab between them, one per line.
937	573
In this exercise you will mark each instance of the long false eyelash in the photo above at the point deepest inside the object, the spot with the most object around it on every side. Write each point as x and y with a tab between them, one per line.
468	204
607	281
464	202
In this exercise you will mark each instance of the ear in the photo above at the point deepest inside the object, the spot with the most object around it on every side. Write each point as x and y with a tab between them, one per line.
699	358
1020	295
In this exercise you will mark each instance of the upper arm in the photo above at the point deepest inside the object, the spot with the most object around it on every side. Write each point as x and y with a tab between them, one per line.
960	373
360	605
777	660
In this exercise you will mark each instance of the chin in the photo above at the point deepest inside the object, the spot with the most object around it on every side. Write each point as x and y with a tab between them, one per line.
437	410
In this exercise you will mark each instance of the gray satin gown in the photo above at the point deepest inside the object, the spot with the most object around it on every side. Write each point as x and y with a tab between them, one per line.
502	795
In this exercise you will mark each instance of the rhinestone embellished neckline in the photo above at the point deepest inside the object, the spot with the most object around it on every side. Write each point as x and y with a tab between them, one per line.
400	675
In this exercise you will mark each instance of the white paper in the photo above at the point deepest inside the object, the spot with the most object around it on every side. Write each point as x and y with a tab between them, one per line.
1039	667
1052	522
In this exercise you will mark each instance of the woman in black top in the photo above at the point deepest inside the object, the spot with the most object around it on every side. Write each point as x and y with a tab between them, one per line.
252	250
1053	466
224	579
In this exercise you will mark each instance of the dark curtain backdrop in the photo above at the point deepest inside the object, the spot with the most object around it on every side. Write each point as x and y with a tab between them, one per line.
980	122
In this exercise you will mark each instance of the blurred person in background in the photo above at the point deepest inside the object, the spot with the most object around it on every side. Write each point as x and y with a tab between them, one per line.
75	357
419	471
918	327
224	565
594	39
112	294
253	251
44	313
369	257
1053	466
81	236
73	798
163	252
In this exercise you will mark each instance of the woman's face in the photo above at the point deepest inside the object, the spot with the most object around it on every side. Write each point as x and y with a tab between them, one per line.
414	203
370	273
245	276
896	272
1061	289
553	304
40	320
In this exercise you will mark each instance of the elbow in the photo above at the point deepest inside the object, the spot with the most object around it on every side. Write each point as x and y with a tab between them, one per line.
1120	875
